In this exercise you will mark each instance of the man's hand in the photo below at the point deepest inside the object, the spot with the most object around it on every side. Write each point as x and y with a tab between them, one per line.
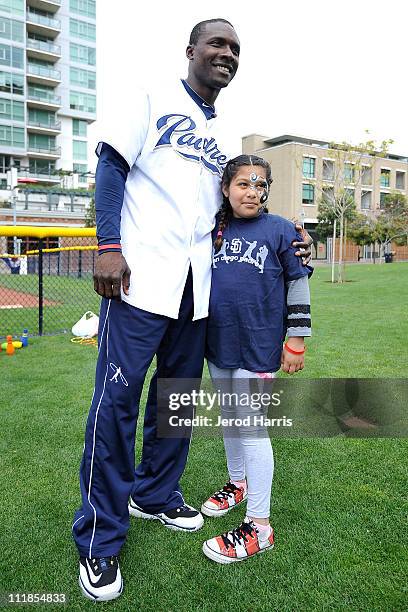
111	272
306	252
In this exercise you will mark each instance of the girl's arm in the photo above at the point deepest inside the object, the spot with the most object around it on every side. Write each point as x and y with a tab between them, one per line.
298	324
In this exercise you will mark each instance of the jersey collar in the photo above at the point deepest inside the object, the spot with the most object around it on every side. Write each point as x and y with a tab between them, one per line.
208	110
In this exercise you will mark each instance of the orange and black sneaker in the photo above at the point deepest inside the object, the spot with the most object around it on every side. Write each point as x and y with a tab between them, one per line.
224	500
239	544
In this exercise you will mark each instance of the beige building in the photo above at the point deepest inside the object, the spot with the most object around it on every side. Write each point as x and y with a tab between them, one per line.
304	170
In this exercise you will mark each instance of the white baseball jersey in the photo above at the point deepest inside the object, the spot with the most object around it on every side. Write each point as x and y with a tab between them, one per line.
176	158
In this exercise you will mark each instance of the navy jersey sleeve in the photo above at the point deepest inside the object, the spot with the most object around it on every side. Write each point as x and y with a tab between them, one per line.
292	265
111	175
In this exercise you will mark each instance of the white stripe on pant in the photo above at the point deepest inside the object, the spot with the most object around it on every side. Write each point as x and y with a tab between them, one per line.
248	449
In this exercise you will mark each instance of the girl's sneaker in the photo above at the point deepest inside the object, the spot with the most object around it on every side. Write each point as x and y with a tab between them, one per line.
238	544
224	500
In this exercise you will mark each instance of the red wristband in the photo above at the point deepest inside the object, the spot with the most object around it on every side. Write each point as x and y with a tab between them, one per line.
290	350
102	247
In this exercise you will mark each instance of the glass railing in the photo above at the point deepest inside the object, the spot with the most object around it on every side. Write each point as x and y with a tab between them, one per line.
42	174
56	125
47	22
44	149
40	45
43	97
43	71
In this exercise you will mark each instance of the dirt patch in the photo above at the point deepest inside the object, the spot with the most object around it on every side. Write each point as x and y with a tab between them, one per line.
9	298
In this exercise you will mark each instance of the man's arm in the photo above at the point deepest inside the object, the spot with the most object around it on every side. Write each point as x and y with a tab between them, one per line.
111	269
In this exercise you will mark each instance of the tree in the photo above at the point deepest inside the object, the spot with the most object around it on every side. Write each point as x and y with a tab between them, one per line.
344	172
392	222
362	230
90	215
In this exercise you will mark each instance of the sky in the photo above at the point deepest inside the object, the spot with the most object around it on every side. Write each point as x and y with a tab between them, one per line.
328	70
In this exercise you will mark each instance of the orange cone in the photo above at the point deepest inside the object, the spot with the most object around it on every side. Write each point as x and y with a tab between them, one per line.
10	348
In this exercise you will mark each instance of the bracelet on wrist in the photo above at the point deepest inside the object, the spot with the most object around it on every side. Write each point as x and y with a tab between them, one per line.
291	350
109	248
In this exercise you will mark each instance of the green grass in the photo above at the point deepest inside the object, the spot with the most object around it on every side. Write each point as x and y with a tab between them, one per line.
71	297
339	505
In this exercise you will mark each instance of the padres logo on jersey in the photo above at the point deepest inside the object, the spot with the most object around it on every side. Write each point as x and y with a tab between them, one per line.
177	131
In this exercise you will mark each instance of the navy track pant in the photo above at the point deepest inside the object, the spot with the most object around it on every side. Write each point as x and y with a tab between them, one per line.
128	340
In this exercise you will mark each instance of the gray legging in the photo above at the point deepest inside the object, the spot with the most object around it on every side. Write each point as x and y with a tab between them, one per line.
248	448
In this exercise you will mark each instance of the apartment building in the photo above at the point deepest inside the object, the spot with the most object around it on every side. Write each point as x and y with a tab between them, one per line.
305	169
47	95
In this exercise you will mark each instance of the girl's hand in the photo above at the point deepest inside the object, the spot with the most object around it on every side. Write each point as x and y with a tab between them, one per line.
293	363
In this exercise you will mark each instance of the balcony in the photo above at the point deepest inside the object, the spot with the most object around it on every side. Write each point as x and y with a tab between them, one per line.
43	127
39	49
51	6
46	26
44	100
43	152
38	176
43	75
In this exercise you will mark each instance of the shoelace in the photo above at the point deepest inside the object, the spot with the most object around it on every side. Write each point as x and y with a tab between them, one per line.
102	564
225	491
239	535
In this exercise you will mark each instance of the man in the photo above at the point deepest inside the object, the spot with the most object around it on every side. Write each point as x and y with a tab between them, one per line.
157	193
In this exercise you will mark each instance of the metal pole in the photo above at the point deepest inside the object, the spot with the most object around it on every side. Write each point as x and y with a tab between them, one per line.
333	250
40	288
79	264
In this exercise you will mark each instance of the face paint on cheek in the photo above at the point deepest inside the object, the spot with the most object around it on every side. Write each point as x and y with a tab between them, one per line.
254	178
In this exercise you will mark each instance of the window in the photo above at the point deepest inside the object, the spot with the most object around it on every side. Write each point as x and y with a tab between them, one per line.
349	194
81	169
46	118
11	136
385	177
82	101
83	7
366	200
11	109
82	54
328	170
82	29
309	167
80	149
400	179
15	7
41	166
348	173
383	195
328	195
79	128
11	56
83	78
307	193
41	141
11	29
366	175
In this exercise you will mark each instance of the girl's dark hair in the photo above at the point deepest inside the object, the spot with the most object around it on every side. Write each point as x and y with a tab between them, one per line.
230	171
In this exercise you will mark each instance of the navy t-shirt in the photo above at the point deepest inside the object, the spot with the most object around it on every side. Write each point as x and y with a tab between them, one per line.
247	317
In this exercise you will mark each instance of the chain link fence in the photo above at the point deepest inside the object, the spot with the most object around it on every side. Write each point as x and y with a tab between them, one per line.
45	279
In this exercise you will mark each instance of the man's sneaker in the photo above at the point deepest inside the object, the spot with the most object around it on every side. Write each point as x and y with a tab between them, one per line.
100	578
224	500
183	518
239	544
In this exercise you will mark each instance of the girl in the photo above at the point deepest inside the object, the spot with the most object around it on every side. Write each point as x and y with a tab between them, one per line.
259	292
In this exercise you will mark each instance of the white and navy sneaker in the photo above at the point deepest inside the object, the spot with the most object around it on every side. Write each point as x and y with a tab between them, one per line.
100	578
239	544
224	500
183	518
